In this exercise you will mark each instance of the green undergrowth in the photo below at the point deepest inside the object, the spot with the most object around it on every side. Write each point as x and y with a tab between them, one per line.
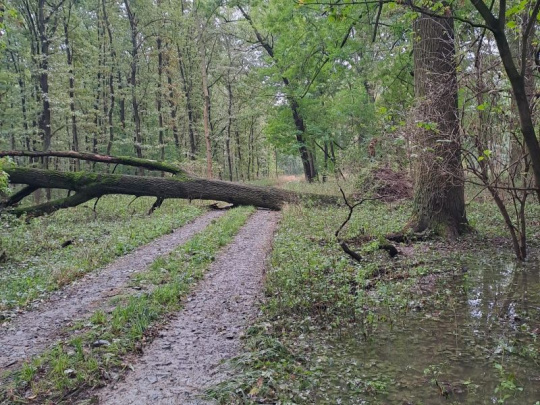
316	297
36	263
309	283
97	352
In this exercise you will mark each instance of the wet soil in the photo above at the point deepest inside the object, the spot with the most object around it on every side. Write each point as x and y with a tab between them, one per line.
187	355
32	332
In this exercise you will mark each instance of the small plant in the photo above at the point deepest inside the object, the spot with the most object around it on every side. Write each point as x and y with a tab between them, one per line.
507	386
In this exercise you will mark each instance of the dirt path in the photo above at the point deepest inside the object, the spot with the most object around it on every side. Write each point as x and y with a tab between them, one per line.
33	331
186	357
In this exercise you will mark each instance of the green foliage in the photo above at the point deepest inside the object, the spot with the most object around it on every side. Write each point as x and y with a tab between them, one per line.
4	177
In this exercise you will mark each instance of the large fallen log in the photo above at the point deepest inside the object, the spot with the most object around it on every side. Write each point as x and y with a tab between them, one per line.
89	185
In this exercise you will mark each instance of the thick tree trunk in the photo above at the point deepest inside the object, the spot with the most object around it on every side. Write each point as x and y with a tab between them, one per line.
439	202
93	185
88	185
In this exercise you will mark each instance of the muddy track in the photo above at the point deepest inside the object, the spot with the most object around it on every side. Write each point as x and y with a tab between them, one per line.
186	357
33	331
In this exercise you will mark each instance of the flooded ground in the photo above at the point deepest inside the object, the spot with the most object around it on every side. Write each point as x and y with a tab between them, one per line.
475	339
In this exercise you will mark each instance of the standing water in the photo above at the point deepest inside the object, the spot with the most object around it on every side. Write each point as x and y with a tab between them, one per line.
474	340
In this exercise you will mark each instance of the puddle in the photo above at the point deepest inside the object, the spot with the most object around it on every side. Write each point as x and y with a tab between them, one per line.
478	344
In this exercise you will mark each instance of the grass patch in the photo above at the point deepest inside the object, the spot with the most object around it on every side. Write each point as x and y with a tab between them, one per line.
37	263
96	354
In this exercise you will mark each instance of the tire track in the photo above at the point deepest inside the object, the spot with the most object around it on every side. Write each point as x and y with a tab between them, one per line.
186	356
32	332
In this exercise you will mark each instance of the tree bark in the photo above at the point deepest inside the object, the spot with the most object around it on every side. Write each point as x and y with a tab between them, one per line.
206	112
112	52
161	130
93	157
439	202
133	81
93	185
44	121
69	60
187	89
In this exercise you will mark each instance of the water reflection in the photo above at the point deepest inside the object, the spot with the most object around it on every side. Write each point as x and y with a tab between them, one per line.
475	341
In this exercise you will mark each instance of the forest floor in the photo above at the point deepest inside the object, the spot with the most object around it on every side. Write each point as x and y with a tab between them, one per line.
232	308
31	332
440	323
94	330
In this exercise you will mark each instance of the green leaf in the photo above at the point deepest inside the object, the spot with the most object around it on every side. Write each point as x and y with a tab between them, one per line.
482	106
511	24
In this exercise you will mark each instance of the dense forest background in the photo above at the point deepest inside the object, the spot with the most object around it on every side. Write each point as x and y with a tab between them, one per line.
245	90
141	78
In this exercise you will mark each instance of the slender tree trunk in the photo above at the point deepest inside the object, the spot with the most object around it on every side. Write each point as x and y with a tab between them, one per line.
238	165
98	123
206	113
44	122
137	138
110	111
251	155
229	125
308	162
439	202
122	103
517	80
173	111
161	136
69	60
186	87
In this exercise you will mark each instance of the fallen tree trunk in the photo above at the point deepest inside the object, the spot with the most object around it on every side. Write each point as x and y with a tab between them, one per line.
94	157
88	185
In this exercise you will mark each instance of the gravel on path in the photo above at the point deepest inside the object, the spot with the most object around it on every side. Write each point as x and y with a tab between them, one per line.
188	354
33	331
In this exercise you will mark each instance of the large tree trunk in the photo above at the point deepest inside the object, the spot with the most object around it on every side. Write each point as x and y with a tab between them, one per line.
439	202
182	185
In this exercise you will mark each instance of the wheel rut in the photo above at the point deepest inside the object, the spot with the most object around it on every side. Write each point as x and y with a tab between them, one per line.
32	332
188	354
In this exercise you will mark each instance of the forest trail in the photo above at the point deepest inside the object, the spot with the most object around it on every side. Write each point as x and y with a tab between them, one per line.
32	332
187	355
